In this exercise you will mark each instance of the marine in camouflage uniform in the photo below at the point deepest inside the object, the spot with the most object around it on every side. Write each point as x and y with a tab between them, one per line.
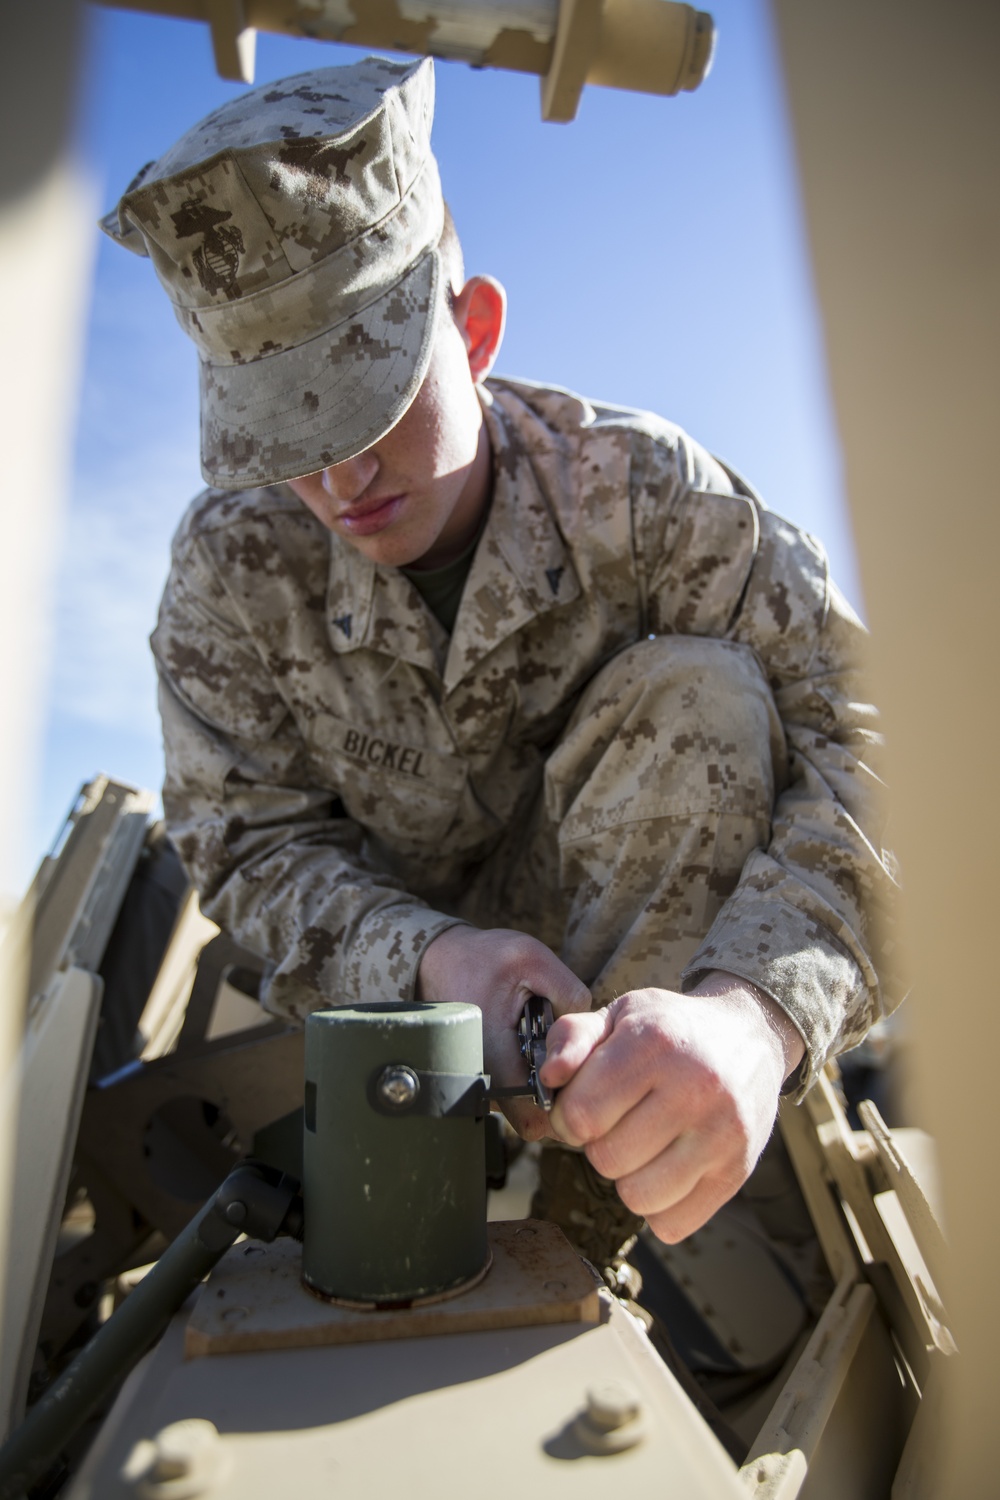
645	740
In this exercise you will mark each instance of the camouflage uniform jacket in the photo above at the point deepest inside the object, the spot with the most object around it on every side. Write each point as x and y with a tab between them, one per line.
336	762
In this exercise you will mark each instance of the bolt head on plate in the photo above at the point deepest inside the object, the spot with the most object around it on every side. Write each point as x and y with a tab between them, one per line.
185	1459
612	1420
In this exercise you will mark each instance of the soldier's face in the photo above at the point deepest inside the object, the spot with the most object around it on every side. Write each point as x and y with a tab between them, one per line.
417	496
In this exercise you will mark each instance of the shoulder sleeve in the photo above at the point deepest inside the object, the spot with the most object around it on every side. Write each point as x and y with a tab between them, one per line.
811	920
274	858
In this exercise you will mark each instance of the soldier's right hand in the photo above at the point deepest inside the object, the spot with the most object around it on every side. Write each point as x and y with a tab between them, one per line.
497	970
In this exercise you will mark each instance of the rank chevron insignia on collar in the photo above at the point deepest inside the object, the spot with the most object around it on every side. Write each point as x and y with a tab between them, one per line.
554	575
343	622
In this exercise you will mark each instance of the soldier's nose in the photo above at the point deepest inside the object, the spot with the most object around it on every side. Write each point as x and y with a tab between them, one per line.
347	481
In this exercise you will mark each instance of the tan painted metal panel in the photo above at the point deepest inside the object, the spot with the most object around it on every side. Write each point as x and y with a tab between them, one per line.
491	1413
897	117
55	1056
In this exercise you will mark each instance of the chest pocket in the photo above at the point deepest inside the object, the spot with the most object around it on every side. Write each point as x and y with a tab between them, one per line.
407	795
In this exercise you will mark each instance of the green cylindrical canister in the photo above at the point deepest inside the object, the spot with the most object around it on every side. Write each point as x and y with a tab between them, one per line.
394	1177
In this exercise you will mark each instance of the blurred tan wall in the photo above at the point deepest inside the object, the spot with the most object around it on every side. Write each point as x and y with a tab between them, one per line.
45	217
896	111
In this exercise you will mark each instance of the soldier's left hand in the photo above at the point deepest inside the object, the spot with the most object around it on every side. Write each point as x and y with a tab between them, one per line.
673	1096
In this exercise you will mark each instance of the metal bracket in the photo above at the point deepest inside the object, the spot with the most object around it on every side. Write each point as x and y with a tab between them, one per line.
578	34
398	1089
234	43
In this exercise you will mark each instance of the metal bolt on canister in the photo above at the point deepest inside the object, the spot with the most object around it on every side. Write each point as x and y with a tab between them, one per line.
397	1086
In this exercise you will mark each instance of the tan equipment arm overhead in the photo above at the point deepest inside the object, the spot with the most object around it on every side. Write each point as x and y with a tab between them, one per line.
651	46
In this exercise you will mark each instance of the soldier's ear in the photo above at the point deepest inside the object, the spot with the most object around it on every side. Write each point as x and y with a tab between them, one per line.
480	311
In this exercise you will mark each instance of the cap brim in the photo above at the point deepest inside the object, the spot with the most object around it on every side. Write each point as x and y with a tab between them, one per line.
302	409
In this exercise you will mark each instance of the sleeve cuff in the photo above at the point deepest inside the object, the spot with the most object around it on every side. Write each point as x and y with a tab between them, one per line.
800	965
380	965
386	954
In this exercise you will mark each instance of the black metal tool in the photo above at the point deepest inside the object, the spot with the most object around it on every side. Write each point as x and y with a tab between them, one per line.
532	1033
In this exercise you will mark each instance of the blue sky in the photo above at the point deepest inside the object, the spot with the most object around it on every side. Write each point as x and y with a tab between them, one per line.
653	252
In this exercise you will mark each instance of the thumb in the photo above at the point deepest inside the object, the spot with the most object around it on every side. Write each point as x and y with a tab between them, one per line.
570	1042
562	988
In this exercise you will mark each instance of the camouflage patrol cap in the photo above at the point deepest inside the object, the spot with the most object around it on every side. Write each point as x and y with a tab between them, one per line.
295	231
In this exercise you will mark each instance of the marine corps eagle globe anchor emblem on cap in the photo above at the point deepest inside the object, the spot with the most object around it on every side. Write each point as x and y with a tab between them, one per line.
217	258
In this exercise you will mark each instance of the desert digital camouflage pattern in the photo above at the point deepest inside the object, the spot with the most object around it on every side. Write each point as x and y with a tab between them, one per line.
646	741
295	232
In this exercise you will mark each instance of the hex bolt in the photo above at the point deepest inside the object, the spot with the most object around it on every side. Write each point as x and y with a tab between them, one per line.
179	1446
398	1086
612	1404
612	1420
184	1460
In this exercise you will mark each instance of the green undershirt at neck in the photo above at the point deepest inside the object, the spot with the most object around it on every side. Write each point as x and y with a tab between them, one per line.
441	588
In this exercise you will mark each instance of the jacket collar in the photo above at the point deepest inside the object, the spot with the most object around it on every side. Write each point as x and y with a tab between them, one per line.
520	570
